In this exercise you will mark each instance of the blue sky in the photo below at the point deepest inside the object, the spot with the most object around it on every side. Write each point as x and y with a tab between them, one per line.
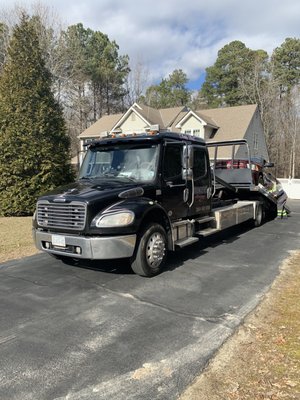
163	35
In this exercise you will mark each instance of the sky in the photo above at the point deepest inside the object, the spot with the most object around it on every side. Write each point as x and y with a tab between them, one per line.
164	35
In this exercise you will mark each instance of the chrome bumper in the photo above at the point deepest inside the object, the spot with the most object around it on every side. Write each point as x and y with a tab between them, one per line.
92	248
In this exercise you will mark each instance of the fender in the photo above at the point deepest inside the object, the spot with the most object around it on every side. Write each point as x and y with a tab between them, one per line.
145	210
141	206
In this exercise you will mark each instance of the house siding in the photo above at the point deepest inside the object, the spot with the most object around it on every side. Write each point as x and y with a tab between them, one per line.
255	137
192	124
133	123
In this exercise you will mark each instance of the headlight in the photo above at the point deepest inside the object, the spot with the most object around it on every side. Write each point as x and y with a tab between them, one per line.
122	218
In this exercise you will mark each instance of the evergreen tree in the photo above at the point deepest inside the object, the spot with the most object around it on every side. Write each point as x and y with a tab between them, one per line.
34	146
95	71
222	86
92	77
286	64
171	92
3	44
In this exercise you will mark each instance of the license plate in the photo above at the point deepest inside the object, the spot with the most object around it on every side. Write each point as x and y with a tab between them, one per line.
58	240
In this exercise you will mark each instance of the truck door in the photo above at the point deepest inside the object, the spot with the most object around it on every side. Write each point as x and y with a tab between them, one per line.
201	182
174	187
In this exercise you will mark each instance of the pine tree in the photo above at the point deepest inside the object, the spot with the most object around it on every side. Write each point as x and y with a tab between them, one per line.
171	92
286	64
222	86
34	146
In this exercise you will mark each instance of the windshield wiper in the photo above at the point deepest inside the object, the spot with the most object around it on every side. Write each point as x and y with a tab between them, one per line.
109	174
116	175
130	178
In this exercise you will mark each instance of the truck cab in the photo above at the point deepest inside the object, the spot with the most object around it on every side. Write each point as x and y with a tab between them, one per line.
136	197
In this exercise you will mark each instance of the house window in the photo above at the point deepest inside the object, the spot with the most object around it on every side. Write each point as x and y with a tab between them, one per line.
194	132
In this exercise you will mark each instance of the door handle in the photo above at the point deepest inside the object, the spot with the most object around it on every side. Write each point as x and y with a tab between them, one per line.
185	195
170	184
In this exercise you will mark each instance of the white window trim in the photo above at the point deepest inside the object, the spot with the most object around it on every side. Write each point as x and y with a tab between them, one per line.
193	132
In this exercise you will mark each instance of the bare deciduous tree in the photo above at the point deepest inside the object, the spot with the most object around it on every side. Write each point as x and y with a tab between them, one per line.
137	82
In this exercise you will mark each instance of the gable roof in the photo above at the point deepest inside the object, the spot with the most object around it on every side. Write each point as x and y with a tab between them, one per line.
103	125
151	115
198	115
164	117
233	122
207	119
228	123
169	115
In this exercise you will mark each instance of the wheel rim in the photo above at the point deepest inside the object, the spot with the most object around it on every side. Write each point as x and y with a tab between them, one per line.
155	249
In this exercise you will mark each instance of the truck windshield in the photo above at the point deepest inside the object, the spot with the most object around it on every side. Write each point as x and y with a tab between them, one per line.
136	163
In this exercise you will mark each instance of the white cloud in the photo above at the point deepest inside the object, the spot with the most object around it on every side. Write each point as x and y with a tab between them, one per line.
171	34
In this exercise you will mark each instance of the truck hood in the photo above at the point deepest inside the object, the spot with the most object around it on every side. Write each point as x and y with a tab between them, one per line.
91	191
99	195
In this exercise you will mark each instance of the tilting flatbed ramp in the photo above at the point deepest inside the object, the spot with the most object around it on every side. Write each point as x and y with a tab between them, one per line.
232	168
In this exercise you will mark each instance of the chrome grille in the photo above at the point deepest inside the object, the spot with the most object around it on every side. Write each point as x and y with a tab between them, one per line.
64	216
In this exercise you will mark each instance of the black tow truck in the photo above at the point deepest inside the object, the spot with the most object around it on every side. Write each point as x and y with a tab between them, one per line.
140	196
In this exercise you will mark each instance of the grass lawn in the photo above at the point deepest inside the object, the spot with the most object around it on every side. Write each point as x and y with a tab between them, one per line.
16	238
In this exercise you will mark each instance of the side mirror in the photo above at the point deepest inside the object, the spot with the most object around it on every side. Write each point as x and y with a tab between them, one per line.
187	174
188	157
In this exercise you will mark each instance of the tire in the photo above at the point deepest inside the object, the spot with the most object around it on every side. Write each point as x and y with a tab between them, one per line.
259	217
151	251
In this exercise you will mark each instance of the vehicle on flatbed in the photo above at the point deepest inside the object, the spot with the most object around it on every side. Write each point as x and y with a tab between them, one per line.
258	167
142	195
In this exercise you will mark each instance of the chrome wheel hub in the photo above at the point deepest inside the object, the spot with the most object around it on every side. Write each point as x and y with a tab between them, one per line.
155	249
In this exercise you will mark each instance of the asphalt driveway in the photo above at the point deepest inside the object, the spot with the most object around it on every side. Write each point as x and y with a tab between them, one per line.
97	331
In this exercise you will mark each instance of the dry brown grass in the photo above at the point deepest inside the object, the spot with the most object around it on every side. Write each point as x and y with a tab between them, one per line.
262	360
15	238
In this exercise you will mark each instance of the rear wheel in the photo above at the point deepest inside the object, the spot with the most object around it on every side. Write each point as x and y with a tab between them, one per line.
150	253
259	217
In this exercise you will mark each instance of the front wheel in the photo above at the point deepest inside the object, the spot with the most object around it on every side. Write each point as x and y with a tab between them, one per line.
150	254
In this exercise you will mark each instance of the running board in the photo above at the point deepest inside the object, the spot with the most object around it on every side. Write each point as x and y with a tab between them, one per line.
203	220
207	232
186	242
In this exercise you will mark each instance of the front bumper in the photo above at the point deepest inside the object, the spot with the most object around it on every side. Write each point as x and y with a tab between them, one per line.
92	248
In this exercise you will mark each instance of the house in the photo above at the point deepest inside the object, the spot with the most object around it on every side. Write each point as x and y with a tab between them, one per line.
240	122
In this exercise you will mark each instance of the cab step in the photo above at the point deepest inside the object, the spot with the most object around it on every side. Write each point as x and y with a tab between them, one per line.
207	232
186	242
204	220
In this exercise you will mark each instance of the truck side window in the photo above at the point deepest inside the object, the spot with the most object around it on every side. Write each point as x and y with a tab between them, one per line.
200	165
172	162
